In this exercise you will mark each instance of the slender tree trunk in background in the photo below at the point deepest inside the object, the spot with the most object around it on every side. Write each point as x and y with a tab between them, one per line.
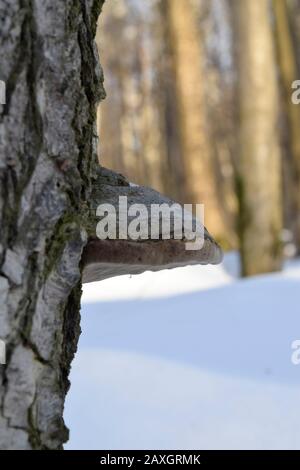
109	122
215	24
172	153
47	159
289	73
149	120
259	178
189	79
294	19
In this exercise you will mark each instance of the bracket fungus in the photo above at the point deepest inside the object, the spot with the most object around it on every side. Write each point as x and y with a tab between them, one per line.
116	253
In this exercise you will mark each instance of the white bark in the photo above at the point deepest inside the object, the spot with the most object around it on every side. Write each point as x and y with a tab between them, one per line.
47	159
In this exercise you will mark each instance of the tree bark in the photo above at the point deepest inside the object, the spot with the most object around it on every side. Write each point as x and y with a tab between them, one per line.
259	159
289	72
47	161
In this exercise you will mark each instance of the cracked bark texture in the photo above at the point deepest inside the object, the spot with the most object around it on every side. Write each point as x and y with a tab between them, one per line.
47	163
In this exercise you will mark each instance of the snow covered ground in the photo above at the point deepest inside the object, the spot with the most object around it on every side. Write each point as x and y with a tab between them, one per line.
192	358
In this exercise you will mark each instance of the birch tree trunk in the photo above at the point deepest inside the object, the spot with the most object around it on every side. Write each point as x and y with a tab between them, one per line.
47	161
259	159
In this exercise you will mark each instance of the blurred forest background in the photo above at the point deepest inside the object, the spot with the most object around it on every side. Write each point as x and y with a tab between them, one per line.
199	107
